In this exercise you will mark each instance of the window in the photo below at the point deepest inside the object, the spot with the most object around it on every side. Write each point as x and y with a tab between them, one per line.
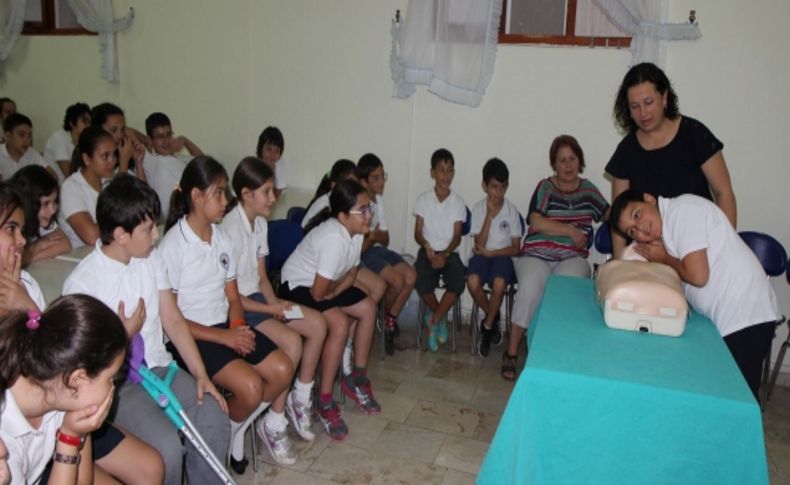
51	17
559	22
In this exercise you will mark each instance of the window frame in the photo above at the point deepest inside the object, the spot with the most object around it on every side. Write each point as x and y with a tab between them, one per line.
47	24
563	40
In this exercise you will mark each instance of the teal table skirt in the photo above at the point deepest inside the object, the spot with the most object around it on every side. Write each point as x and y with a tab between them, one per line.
601	406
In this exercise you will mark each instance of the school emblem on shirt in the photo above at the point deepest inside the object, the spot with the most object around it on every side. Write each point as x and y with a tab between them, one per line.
504	226
224	260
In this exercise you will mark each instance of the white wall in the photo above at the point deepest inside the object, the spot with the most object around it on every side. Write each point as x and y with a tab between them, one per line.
320	71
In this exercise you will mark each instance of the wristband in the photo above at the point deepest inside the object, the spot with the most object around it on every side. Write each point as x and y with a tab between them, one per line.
237	323
66	459
70	440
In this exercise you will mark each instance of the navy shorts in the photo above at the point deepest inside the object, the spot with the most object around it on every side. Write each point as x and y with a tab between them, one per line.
217	356
489	269
453	274
301	295
105	439
254	318
379	257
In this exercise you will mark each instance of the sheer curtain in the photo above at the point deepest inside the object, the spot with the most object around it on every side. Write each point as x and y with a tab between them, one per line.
447	45
12	17
641	19
96	16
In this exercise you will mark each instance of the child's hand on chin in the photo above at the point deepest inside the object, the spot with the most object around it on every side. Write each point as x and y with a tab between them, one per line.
83	421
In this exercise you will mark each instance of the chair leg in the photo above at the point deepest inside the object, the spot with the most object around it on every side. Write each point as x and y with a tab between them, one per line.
420	318
777	367
342	399
474	329
456	318
764	381
380	326
254	439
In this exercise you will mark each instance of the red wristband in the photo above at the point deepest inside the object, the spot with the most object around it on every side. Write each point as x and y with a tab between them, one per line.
237	323
70	440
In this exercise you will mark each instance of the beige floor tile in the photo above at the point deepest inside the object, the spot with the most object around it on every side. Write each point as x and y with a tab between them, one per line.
454	477
394	407
462	454
385	379
290	477
363	430
454	370
779	478
780	453
486	426
490	401
408	442
350	465
444	418
433	389
306	451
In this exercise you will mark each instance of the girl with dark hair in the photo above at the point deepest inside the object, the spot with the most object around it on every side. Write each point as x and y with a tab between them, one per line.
663	152
93	164
39	190
341	170
320	274
60	144
130	144
57	370
202	270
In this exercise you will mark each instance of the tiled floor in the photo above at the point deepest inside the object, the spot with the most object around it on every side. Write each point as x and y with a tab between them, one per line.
439	414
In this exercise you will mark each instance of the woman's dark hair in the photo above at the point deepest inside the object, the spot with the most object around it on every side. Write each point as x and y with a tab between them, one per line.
341	170
10	201
201	172
618	206
101	112
33	182
273	136
341	200
74	113
86	145
644	72
74	332
366	164
251	173
566	141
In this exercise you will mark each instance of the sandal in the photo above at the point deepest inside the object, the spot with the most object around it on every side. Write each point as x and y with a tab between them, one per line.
509	366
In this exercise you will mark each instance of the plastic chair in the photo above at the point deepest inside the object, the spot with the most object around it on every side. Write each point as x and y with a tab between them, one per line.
773	258
782	349
603	240
465	228
296	214
283	237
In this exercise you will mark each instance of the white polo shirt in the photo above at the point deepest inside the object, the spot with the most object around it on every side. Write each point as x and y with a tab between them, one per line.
9	166
328	250
379	218
320	204
112	282
29	449
163	173
249	244
33	290
279	174
504	227
439	218
198	271
59	147
76	195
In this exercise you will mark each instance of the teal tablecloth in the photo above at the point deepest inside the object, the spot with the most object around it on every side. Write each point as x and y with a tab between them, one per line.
601	406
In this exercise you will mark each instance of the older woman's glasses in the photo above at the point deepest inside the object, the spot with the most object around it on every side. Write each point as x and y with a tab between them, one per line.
364	211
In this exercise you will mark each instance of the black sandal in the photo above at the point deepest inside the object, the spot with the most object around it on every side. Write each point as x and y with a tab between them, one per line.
509	366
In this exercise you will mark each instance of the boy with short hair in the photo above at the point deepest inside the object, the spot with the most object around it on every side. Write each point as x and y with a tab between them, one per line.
270	148
163	165
722	277
440	217
496	227
18	151
125	269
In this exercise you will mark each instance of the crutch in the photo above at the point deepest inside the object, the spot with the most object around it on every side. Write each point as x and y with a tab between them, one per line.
159	390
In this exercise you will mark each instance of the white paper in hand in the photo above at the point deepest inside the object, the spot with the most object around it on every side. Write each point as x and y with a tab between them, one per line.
295	313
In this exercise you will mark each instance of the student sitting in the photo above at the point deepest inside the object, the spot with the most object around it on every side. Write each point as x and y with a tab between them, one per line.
440	215
320	274
125	271
496	227
271	146
722	277
202	272
163	164
7	107
60	144
39	190
18	151
129	143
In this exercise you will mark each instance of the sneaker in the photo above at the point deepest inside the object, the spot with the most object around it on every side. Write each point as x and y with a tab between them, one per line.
496	333
278	443
330	417
347	357
301	416
485	340
441	330
362	395
433	343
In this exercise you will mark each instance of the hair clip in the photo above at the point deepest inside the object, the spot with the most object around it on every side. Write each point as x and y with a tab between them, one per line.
33	319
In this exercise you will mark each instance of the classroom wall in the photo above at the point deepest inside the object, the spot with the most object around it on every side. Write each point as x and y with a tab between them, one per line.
320	71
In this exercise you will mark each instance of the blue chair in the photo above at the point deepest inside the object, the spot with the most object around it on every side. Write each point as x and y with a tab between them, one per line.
773	258
296	214
603	239
283	237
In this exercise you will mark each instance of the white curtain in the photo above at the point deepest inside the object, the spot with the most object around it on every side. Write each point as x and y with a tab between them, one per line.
12	18
641	19
96	16
447	45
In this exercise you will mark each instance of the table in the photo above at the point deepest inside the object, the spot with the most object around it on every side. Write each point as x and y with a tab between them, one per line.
51	273
601	406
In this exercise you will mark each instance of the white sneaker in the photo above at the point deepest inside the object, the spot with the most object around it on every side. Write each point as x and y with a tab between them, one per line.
301	416
278	443
347	357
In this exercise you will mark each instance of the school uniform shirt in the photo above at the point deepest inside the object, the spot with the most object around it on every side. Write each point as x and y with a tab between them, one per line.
249	242
198	271
112	282
163	173
379	217
76	195
45	231
504	226
317	206
737	294
279	174
59	147
33	289
328	250
29	449
439	218
9	166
